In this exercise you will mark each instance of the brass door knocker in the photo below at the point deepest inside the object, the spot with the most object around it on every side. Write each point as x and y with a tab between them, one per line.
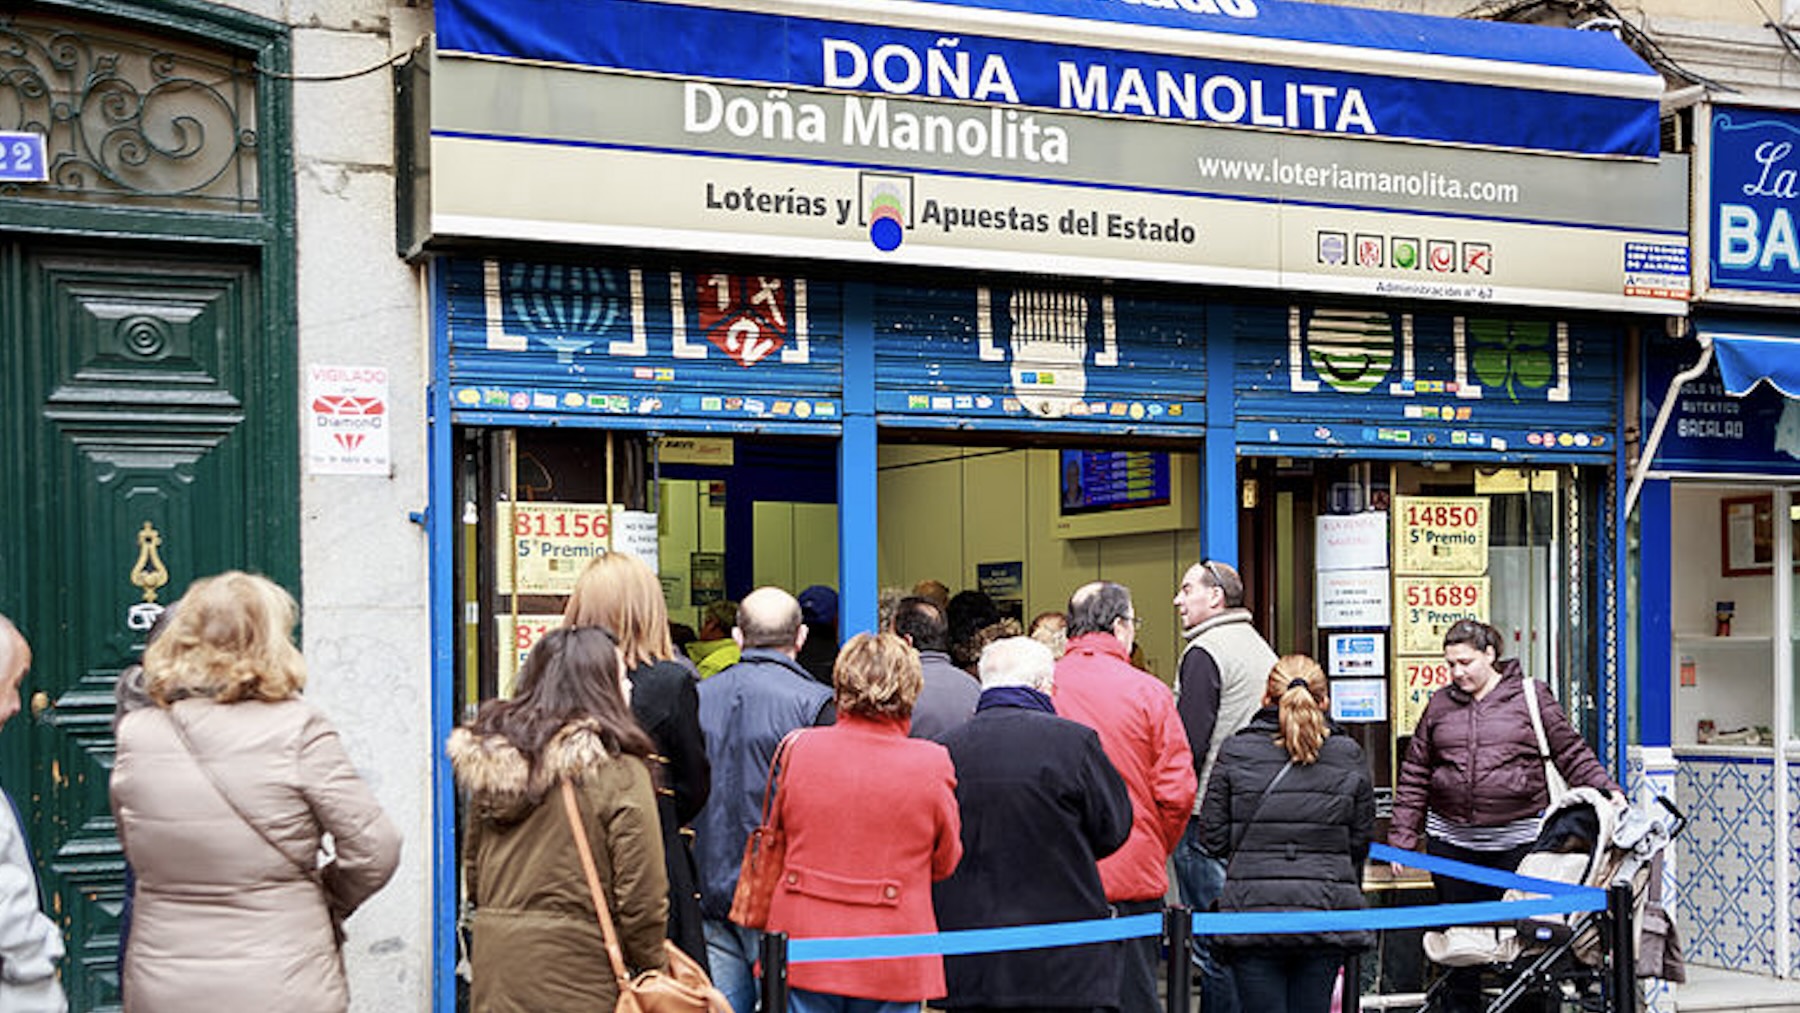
148	574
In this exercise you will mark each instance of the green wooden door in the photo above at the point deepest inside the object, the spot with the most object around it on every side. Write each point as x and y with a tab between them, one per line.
136	389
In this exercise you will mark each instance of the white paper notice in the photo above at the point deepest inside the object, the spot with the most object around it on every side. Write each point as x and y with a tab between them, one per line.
1352	598
1358	700
347	420
1351	541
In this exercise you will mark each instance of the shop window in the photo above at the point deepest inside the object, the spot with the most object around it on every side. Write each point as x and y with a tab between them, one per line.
714	516
1366	565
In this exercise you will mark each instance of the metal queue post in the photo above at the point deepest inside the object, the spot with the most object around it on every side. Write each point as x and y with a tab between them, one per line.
1178	925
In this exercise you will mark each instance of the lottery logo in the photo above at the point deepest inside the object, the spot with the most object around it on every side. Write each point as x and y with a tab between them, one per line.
1440	256
887	208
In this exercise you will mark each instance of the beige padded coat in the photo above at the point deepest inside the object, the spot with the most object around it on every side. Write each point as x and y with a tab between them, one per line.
224	921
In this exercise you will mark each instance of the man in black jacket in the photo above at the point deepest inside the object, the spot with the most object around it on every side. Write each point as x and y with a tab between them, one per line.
1041	805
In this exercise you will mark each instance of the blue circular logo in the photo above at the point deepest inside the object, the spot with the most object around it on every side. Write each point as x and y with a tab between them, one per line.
886	234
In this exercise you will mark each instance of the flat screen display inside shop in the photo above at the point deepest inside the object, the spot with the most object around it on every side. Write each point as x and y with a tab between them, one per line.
1122	492
1096	480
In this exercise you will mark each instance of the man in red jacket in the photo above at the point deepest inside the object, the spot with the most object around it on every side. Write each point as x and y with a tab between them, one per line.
1134	713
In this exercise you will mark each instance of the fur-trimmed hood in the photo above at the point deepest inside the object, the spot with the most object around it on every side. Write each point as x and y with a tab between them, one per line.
500	783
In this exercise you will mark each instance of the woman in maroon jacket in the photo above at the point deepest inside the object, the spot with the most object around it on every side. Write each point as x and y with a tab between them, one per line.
1473	780
871	822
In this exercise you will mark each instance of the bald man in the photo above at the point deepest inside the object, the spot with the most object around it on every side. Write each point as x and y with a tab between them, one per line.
30	943
745	711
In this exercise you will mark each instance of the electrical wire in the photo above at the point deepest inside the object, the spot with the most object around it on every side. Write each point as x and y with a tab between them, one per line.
1782	34
346	75
1628	31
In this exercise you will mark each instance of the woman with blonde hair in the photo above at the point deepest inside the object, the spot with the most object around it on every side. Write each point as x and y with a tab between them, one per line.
222	791
1290	808
621	594
871	822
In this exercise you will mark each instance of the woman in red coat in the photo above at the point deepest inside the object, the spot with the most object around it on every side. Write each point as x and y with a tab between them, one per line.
872	822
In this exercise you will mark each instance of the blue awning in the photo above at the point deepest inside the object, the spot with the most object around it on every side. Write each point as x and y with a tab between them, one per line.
1749	353
1275	65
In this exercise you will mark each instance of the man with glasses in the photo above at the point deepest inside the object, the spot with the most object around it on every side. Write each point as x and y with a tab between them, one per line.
1134	713
1223	671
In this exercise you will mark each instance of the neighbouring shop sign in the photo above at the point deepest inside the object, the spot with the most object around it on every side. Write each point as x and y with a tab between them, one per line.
1710	430
1752	194
543	547
1415	679
1426	607
1441	534
517	635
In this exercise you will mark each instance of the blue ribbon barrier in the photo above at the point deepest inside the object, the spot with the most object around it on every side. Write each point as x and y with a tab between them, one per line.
1482	874
966	941
1560	898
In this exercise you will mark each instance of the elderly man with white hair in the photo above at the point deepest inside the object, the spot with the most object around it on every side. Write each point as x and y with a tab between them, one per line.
30	943
1041	805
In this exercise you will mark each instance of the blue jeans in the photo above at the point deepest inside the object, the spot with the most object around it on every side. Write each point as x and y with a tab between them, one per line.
1294	980
1200	879
802	1001
731	956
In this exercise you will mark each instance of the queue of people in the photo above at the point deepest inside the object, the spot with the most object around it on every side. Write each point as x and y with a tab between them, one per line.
1055	785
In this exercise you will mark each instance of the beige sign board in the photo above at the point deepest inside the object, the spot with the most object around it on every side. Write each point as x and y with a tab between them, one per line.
1441	534
647	199
1415	679
718	451
1426	607
517	635
543	547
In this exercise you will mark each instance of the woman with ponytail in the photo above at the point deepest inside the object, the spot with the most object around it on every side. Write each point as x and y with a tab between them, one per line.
1290	808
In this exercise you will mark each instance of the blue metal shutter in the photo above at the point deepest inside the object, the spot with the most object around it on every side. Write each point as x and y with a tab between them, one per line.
608	343
1068	357
1431	382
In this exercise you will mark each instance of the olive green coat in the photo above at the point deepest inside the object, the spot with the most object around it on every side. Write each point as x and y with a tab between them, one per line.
535	943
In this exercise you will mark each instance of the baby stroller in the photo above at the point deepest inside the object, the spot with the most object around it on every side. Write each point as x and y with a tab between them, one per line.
1565	958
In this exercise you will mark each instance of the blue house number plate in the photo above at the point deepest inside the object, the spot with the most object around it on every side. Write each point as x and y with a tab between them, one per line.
22	157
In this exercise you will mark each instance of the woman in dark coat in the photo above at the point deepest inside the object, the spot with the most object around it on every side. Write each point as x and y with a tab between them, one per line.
1472	785
621	594
1290	808
1041	805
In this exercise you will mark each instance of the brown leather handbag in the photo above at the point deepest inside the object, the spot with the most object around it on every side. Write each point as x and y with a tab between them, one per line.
765	853
683	988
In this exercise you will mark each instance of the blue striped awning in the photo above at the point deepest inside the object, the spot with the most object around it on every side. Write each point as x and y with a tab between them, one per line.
1276	65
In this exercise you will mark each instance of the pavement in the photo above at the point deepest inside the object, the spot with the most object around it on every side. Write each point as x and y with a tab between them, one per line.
1712	988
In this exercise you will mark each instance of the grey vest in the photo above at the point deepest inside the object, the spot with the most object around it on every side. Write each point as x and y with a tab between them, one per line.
1244	659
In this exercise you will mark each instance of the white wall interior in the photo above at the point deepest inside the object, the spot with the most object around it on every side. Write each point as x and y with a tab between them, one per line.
1734	675
944	510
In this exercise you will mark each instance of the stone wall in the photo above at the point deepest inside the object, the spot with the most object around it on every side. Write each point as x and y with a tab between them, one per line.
364	562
